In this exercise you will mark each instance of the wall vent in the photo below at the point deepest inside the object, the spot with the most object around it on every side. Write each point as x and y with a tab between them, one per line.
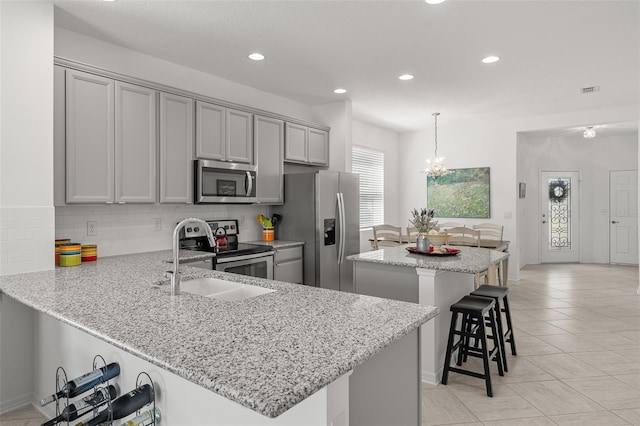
590	89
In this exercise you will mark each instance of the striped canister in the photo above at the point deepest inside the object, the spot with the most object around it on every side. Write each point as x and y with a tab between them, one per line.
59	242
89	252
70	254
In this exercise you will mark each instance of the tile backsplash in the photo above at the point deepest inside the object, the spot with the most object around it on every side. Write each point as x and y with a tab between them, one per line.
134	228
26	239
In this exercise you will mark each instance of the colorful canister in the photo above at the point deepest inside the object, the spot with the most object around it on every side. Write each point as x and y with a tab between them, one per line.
59	242
268	234
89	252
70	254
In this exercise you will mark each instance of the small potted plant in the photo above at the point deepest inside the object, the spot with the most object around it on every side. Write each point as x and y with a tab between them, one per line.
424	222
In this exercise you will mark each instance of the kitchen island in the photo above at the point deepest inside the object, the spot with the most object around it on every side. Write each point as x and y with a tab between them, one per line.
395	273
286	357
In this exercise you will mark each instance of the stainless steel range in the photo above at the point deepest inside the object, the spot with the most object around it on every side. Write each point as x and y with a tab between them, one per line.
230	255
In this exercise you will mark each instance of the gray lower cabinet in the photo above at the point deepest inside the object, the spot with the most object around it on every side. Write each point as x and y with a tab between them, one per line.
287	265
223	134
176	149
306	145
110	140
269	146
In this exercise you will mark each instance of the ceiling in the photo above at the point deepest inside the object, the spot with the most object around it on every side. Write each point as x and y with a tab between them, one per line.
549	50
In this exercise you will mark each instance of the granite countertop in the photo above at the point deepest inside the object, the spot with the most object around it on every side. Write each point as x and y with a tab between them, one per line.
470	259
267	353
278	244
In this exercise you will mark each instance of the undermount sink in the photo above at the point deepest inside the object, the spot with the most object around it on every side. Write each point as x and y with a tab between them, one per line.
221	289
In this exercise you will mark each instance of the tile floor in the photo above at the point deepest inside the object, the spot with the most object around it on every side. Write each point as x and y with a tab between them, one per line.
577	330
578	340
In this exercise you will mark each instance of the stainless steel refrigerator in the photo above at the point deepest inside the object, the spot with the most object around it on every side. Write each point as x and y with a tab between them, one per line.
322	209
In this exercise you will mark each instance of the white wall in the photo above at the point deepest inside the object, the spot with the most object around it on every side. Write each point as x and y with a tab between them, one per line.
337	115
386	141
26	128
593	158
26	190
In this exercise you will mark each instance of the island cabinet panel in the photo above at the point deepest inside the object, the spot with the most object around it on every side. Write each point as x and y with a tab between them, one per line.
135	144
90	138
176	149
223	134
269	146
181	402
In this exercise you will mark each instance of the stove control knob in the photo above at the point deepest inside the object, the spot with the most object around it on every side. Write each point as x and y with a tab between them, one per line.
188	229
196	229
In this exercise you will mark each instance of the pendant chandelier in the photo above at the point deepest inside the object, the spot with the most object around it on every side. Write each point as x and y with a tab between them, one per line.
435	166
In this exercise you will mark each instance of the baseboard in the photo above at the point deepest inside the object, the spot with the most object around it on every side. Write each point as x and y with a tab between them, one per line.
15	403
432	379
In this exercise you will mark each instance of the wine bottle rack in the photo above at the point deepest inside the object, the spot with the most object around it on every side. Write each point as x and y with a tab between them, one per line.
99	362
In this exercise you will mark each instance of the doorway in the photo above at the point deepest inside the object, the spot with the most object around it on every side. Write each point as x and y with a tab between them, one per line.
623	217
559	216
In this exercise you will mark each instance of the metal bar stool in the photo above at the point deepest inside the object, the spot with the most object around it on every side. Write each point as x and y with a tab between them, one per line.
474	310
499	294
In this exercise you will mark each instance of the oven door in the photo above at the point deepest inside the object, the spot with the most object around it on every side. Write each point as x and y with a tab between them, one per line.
254	265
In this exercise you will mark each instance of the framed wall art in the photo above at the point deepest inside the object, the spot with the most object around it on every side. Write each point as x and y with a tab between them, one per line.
463	193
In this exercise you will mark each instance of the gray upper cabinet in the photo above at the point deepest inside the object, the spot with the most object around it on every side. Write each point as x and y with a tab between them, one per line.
306	145
90	138
110	147
318	151
176	149
223	134
136	144
269	143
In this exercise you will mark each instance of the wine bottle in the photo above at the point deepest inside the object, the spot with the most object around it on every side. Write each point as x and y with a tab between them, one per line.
123	406
81	384
146	418
83	406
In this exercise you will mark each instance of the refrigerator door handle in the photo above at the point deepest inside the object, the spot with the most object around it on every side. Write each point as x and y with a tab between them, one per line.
341	221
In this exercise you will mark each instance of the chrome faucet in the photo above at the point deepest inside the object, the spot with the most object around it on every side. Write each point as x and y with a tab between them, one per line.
175	274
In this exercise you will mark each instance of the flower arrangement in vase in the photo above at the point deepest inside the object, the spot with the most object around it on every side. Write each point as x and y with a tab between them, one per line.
424	222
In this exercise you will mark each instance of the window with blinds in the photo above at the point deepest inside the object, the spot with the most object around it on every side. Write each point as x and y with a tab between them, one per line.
370	165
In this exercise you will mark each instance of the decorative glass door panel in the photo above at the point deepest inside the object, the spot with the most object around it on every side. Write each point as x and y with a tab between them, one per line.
559	217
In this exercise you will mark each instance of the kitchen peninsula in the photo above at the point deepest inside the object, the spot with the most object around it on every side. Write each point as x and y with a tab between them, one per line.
397	274
298	355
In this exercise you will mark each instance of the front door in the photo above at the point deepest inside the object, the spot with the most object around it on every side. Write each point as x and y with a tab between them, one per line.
623	216
559	217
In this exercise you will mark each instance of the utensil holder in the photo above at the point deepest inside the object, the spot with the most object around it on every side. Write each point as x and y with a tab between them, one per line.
268	234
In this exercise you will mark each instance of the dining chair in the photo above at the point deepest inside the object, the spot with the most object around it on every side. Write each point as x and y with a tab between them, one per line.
412	234
489	231
461	235
387	236
448	225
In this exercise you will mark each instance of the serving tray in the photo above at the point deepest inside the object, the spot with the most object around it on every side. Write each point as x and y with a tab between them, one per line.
445	253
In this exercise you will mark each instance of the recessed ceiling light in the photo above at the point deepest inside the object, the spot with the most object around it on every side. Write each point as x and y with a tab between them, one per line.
108	0
406	77
435	1
340	91
490	59
256	56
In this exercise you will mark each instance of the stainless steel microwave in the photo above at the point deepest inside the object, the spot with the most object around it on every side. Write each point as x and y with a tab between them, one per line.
220	182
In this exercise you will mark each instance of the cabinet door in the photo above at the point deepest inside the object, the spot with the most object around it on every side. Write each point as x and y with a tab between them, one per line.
290	271
239	136
136	144
318	151
295	143
269	141
210	131
176	149
89	138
